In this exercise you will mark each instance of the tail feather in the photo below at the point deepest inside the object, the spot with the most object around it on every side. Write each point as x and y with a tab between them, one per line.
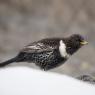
8	62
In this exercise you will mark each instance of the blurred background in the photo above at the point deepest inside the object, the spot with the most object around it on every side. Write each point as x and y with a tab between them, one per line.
25	21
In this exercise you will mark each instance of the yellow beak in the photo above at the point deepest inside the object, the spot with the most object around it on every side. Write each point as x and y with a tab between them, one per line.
84	42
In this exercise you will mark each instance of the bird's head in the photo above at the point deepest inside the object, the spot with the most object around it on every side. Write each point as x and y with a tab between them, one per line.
74	42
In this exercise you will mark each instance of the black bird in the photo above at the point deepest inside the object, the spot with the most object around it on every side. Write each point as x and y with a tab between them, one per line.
49	53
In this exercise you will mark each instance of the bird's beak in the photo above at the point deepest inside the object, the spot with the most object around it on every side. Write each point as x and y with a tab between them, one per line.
84	42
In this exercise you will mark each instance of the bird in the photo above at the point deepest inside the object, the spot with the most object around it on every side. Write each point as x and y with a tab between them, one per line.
49	53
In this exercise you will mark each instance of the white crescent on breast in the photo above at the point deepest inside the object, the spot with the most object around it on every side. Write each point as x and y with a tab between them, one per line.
62	49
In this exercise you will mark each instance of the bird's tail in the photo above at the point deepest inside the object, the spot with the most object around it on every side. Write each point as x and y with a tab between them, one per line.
8	62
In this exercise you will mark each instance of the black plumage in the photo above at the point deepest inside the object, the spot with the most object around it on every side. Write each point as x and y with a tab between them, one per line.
46	53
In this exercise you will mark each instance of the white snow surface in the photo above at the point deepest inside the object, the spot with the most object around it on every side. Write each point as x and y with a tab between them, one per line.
27	81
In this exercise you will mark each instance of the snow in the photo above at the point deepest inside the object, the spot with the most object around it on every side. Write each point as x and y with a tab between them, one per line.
27	81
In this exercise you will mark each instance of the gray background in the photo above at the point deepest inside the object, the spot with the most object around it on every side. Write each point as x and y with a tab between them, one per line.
25	21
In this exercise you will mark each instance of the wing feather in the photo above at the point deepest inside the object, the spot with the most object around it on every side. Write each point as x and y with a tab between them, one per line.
37	47
42	46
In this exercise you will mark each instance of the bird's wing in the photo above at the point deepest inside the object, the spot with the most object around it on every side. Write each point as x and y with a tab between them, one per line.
38	47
